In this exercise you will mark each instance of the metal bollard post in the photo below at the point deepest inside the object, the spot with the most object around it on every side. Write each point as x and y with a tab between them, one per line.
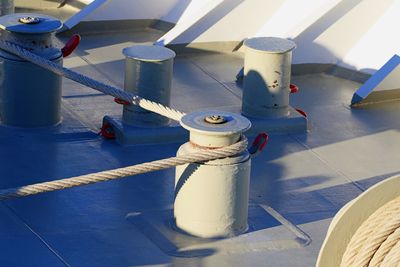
148	73
6	7
30	96
267	68
211	199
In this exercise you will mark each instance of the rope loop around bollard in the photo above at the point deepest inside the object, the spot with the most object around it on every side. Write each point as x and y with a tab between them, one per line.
108	175
201	156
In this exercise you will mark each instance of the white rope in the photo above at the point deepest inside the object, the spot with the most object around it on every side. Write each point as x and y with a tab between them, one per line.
198	157
202	156
80	78
377	241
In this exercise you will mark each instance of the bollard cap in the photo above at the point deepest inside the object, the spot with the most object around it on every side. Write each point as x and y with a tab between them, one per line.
151	53
214	128
29	23
272	45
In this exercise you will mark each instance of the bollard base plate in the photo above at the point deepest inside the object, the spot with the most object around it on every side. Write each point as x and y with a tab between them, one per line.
158	226
293	123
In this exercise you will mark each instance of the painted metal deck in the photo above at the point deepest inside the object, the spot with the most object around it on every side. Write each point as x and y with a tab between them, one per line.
297	184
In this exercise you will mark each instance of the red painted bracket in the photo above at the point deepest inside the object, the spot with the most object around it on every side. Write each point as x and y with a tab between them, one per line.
70	46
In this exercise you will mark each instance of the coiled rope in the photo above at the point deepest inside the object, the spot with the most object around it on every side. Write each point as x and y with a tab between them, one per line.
85	80
198	157
377	241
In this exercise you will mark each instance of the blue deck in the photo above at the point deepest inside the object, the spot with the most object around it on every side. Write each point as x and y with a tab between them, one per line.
306	178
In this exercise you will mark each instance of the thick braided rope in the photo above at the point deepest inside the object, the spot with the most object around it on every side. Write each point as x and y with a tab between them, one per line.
392	258
377	241
198	157
385	248
82	79
363	232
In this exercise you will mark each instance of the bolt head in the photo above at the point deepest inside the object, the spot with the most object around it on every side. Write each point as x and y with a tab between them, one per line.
29	20
215	119
214	128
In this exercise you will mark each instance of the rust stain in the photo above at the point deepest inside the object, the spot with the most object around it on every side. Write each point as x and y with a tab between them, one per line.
194	145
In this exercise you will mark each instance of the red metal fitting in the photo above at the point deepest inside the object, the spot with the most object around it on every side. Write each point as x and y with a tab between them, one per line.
122	102
302	112
107	131
70	46
259	143
293	88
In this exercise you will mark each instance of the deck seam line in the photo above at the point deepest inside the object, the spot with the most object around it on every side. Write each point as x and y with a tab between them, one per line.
296	230
58	256
82	119
108	79
327	164
106	76
214	78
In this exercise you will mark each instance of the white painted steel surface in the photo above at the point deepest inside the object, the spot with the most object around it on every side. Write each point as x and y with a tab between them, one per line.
30	96
148	73
6	7
324	30
211	199
214	135
267	69
91	6
306	178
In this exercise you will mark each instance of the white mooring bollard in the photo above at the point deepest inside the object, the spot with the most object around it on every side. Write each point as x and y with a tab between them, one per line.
6	7
30	96
267	68
148	74
211	199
